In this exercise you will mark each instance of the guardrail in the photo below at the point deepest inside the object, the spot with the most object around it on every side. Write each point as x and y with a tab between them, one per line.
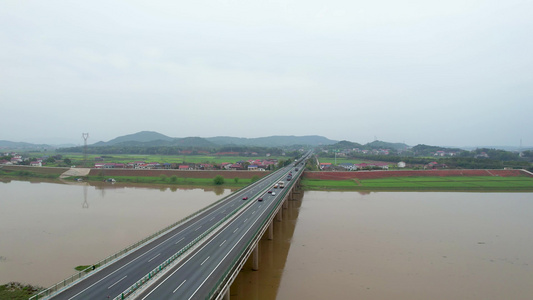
86	272
235	261
133	288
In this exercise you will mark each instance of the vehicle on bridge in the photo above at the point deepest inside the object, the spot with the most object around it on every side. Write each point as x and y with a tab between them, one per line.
281	184
245	198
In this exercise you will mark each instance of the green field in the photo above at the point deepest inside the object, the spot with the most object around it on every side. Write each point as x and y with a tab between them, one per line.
481	183
77	159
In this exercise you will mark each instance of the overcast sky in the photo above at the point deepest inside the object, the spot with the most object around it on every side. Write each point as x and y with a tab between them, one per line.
450	73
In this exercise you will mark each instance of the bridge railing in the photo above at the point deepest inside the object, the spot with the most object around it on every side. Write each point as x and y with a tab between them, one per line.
133	288
235	261
83	273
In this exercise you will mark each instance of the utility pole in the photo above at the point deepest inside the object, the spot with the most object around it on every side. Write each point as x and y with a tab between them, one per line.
85	136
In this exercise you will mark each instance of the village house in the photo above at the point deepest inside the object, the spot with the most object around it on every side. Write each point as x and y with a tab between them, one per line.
235	167
324	166
384	166
348	166
206	167
36	164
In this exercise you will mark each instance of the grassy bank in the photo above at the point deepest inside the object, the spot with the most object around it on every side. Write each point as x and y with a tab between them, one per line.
479	183
54	173
228	182
27	174
18	291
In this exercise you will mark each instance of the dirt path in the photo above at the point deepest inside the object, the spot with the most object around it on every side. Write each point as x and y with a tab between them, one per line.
75	172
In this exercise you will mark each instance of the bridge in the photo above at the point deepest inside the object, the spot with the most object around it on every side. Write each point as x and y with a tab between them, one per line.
197	258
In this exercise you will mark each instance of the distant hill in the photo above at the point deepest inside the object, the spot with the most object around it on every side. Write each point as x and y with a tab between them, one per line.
345	145
151	138
373	145
143	136
426	150
22	145
385	145
273	141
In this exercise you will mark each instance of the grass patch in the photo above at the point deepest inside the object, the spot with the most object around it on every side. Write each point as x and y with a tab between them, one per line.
26	174
84	268
478	183
174	180
18	291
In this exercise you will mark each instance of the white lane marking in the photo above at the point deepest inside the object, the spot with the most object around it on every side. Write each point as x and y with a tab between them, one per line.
205	261
169	276
133	260
222	243
223	211
225	256
153	257
123	266
198	228
179	286
245	220
117	282
253	212
212	219
178	241
235	230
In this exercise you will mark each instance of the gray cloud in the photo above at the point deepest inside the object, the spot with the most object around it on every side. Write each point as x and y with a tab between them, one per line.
442	73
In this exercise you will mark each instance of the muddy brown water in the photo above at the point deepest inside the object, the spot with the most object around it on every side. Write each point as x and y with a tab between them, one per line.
336	245
47	229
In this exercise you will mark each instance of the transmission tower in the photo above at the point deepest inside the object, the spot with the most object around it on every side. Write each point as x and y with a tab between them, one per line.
85	137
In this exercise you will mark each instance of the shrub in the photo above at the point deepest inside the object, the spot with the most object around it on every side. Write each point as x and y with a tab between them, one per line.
218	180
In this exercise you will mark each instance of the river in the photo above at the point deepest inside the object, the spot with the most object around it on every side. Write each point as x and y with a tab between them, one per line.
338	245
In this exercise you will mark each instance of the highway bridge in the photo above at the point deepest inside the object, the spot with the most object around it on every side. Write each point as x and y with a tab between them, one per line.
196	259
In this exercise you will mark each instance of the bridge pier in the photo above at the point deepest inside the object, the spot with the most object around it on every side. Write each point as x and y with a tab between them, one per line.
279	216
255	258
271	231
227	294
286	202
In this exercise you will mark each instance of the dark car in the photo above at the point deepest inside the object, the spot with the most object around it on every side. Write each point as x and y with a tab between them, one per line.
260	199
244	198
270	192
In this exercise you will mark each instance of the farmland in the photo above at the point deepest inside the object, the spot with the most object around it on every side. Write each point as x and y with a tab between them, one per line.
451	183
77	159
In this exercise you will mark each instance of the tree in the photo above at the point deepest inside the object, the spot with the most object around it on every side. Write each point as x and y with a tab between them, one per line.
236	179
218	180
67	161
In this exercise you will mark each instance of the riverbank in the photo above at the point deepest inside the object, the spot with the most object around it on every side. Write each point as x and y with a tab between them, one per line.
409	180
232	179
451	183
18	291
